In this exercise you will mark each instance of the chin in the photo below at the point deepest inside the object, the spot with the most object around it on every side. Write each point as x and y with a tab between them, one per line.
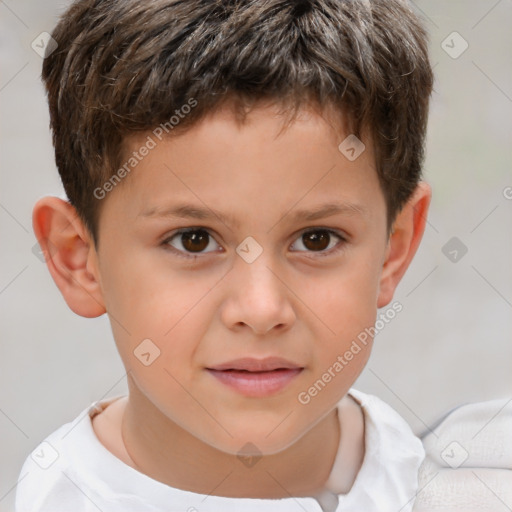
253	442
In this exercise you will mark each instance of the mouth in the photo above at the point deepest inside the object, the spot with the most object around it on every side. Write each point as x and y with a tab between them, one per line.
256	377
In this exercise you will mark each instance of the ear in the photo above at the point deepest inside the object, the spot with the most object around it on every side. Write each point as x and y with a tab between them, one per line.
405	238
70	255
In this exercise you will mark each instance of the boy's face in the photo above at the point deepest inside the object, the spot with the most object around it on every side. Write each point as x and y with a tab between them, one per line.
210	299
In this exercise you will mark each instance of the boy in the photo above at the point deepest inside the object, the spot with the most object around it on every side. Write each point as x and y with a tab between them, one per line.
284	140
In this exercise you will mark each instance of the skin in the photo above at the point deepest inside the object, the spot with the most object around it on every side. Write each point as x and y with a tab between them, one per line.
180	425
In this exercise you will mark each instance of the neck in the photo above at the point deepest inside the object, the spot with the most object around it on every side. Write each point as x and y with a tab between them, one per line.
162	450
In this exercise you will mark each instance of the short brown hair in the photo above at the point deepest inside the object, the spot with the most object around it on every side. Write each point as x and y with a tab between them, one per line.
124	66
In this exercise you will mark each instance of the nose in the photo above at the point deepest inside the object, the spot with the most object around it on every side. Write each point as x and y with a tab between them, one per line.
258	297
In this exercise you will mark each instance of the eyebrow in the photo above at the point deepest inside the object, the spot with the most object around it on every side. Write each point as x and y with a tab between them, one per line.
188	211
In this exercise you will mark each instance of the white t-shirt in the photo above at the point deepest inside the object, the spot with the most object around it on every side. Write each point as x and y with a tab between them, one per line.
71	471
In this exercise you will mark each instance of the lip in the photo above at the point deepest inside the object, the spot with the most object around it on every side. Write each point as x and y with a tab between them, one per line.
256	377
256	384
252	364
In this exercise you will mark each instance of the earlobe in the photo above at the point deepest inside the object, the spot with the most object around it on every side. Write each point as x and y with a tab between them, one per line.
70	255
407	232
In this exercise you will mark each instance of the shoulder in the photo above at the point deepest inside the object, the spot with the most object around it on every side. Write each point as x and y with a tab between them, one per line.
393	454
43	474
53	477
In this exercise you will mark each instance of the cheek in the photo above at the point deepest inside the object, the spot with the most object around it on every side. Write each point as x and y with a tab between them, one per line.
346	303
171	309
346	299
151	294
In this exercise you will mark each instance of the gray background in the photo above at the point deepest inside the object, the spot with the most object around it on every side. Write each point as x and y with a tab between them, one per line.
450	344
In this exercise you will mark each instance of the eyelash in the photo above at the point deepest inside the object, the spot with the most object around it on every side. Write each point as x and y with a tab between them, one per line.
321	254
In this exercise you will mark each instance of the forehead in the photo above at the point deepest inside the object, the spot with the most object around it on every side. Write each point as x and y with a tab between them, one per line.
251	165
327	122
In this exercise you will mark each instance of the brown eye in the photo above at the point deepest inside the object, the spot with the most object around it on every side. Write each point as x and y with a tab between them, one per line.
192	241
316	240
195	240
321	241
